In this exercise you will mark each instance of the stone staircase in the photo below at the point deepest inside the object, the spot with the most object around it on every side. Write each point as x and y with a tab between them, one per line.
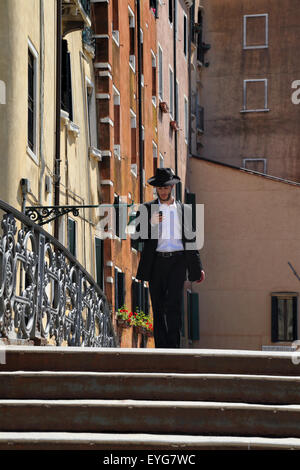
57	398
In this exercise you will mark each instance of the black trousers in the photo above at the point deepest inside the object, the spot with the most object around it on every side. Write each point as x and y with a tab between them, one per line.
166	291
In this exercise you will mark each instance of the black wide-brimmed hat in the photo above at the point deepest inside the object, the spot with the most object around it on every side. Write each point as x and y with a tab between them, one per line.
163	177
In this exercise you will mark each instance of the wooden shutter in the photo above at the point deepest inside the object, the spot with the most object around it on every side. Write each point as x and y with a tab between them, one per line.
121	288
72	236
193	316
274	319
295	318
99	261
116	291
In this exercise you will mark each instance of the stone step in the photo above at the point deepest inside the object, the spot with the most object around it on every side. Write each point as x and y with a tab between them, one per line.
163	417
149	442
145	386
203	361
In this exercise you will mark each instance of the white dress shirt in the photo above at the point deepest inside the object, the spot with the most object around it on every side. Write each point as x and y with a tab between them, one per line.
169	229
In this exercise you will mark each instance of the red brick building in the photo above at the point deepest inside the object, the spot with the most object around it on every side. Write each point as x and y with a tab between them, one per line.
125	70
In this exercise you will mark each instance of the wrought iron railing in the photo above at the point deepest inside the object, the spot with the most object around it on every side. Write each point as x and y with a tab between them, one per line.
45	294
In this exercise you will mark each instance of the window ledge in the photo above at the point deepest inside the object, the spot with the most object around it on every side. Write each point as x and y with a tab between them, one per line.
133	169
116	37
72	127
95	153
265	110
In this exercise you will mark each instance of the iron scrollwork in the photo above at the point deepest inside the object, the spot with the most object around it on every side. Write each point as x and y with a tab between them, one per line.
44	292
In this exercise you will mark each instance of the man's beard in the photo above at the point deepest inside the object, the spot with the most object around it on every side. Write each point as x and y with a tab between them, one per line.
165	198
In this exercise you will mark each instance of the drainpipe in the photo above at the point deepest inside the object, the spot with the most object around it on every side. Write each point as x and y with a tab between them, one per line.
191	22
42	62
175	85
141	154
58	106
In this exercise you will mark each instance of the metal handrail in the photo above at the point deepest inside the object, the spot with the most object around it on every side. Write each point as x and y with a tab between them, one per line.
25	309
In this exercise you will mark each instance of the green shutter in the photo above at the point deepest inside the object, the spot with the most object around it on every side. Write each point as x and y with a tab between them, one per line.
193	316
295	318
116	291
72	236
99	261
274	319
121	288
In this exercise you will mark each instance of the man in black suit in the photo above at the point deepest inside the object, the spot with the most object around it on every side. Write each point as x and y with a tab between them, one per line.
164	225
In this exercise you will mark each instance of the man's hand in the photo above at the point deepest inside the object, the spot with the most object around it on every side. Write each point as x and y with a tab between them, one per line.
156	218
202	277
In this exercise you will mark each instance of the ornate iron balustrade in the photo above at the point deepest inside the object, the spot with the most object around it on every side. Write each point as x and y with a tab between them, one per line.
45	294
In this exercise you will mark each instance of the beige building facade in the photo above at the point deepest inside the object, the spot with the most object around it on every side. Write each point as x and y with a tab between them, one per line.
251	258
28	145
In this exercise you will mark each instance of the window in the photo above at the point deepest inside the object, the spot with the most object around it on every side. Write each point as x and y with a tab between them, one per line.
91	113
32	101
154	152
186	119
255	34
193	315
185	35
255	164
133	137
255	95
66	81
170	11
99	257
177	103
153	60
131	38
120	292
142	54
160	72
284	316
72	236
139	296
117	130
115	22
171	91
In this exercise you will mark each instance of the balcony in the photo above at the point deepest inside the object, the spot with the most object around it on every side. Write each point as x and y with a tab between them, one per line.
75	15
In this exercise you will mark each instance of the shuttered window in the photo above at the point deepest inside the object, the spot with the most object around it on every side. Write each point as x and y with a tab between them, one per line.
119	289
193	315
284	317
72	236
99	261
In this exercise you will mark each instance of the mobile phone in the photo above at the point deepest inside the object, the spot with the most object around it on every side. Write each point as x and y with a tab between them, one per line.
159	213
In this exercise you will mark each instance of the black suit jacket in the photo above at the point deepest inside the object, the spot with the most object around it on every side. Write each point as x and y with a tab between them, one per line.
150	238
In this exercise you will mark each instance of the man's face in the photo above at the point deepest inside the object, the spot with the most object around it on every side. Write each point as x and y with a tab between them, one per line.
164	192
